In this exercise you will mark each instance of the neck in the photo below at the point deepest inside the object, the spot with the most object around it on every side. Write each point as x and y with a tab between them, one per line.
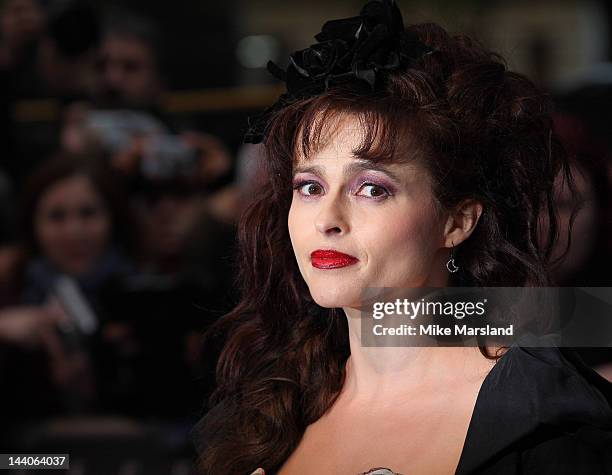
388	373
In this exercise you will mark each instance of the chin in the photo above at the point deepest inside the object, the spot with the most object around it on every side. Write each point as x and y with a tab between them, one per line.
329	296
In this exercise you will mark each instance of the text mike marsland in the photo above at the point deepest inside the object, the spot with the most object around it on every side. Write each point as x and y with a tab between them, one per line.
438	330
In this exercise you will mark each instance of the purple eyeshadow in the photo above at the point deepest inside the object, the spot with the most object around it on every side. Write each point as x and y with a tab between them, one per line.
374	180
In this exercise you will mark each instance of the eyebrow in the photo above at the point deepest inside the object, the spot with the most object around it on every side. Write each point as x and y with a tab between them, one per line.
353	167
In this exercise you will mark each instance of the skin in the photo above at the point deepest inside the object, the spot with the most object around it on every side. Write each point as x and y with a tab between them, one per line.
34	327
386	219
422	399
129	69
20	21
72	225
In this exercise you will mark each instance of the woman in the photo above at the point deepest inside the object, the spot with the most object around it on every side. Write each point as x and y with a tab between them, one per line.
397	158
75	225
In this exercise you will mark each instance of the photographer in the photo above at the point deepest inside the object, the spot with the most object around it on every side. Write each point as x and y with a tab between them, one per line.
75	231
126	118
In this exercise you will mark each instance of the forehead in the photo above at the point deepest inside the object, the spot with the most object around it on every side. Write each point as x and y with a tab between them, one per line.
126	45
70	188
347	138
339	137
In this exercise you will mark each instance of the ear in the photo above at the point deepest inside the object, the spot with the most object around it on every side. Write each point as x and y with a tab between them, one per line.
461	222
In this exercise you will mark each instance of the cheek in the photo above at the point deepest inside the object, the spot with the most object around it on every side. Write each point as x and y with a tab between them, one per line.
296	227
403	241
399	238
99	230
48	234
301	230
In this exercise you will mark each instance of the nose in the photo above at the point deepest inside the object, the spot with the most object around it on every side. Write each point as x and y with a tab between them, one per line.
332	216
74	227
114	75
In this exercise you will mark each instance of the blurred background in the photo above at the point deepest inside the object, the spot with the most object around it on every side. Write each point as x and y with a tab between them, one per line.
122	175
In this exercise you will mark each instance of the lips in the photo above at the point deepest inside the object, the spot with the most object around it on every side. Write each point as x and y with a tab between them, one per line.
330	259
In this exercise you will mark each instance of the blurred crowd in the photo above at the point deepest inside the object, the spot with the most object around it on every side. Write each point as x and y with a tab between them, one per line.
117	221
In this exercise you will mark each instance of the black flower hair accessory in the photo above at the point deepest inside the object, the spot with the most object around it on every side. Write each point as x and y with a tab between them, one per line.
361	49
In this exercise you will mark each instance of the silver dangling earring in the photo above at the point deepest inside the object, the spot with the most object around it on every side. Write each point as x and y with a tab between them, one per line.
450	265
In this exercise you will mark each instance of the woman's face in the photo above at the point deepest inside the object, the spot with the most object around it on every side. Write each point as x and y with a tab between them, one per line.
72	225
383	217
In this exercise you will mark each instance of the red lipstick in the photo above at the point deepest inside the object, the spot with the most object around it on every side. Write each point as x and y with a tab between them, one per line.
330	259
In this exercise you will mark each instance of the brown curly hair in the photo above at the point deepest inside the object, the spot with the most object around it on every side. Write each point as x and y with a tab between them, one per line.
486	133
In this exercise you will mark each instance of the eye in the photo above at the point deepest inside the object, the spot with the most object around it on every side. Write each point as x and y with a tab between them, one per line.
374	191
88	212
57	215
308	188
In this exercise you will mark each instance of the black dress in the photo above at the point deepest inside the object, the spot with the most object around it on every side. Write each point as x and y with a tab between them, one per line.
540	411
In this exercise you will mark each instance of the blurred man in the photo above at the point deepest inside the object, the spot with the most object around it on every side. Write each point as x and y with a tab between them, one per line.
129	64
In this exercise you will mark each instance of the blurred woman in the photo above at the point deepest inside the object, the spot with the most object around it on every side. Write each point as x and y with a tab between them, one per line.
75	224
76	228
